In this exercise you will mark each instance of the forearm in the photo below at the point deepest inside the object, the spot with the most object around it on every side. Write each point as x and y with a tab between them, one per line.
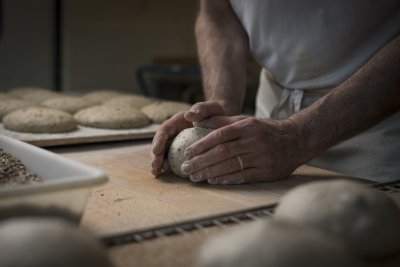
368	96
222	48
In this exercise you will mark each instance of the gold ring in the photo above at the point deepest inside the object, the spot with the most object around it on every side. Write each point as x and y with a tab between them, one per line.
240	162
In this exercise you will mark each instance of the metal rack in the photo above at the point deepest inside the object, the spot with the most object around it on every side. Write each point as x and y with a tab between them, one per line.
237	217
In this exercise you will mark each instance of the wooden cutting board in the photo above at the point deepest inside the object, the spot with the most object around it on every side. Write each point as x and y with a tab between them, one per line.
82	135
133	199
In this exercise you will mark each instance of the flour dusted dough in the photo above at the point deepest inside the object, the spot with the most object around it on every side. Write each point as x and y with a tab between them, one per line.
274	244
70	104
366	219
33	94
4	96
178	146
133	101
39	120
39	242
101	96
9	105
111	117
160	111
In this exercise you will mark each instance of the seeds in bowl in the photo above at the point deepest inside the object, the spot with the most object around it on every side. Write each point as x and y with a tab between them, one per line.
13	172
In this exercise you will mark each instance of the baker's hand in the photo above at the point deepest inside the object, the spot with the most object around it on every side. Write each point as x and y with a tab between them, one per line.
170	128
244	149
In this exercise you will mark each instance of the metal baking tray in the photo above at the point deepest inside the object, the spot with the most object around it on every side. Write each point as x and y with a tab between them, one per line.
83	135
65	188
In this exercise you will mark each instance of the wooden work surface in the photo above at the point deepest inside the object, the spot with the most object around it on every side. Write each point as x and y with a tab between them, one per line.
133	199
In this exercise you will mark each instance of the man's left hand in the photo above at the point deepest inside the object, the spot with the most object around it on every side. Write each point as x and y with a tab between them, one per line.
244	149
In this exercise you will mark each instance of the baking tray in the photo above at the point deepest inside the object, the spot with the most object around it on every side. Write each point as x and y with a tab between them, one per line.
66	184
82	135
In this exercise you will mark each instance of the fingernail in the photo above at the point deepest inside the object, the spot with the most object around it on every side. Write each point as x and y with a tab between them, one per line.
186	168
154	149
195	177
212	181
194	111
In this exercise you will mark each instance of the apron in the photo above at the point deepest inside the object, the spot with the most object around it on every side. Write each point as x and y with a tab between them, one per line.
373	154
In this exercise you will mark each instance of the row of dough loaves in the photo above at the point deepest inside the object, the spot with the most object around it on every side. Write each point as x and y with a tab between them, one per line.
38	110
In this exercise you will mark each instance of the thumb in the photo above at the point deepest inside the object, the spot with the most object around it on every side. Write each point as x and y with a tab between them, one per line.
204	110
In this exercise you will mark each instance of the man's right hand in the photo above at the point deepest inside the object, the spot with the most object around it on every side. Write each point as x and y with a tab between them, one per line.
173	126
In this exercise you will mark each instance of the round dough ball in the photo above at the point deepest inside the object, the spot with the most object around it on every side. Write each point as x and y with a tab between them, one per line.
274	244
70	104
132	101
38	242
367	220
161	111
178	146
8	105
101	96
39	120
4	96
33	94
111	117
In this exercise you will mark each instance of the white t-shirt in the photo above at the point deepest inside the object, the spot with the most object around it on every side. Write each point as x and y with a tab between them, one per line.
316	43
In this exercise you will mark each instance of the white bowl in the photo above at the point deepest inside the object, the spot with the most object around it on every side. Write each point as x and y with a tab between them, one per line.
65	183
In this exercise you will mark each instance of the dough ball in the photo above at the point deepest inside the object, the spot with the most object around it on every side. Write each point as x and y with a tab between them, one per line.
39	120
161	111
367	220
8	105
111	117
39	242
33	94
70	104
274	244
178	146
131	101
101	96
4	96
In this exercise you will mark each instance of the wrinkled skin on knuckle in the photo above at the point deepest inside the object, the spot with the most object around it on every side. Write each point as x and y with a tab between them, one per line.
231	165
198	163
219	134
222	151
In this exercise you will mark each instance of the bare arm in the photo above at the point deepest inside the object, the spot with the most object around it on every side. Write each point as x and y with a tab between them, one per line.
368	96
222	48
272	149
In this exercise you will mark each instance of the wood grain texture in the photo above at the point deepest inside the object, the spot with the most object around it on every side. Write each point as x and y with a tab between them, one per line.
134	199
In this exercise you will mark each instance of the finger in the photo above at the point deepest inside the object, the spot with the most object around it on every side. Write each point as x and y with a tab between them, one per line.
165	168
216	137
167	131
244	176
215	155
215	122
156	164
231	165
203	110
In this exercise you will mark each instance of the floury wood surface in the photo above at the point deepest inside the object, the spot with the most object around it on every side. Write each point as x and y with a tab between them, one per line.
133	199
